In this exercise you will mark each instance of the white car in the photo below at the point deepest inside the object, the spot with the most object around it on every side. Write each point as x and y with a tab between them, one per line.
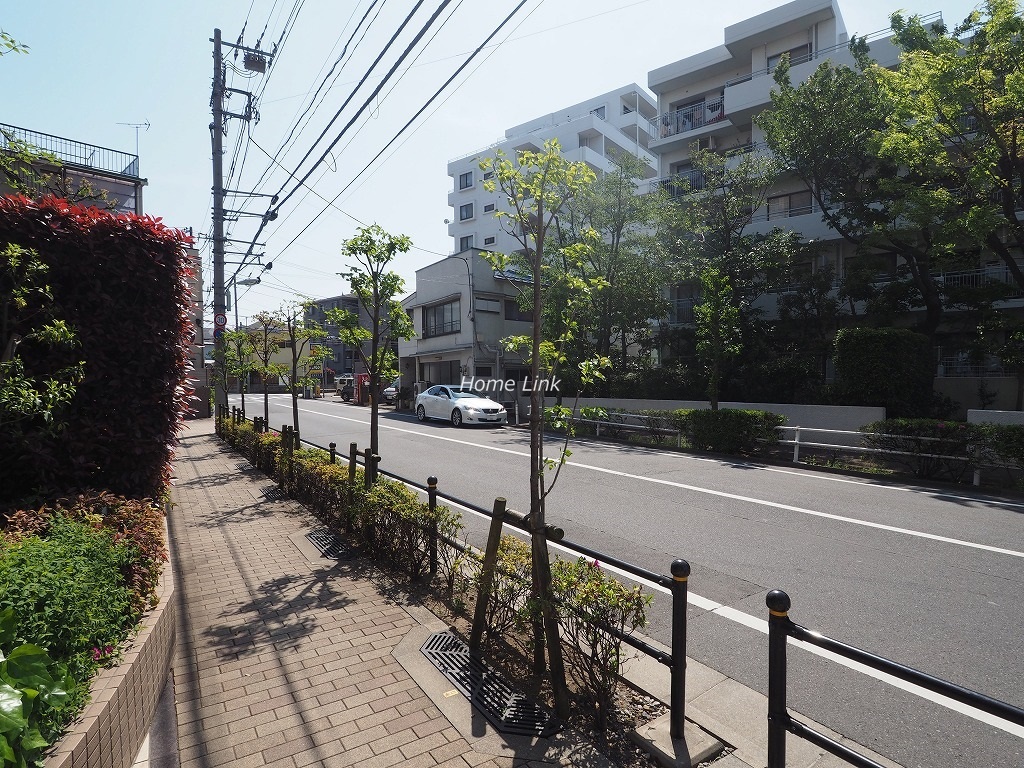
459	406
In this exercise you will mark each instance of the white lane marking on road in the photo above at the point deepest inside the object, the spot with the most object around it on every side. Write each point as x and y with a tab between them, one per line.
712	492
754	622
761	625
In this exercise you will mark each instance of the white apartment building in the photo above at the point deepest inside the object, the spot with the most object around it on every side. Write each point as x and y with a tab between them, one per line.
709	100
593	131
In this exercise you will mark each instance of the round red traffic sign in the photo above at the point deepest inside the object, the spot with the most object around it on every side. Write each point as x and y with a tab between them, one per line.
220	319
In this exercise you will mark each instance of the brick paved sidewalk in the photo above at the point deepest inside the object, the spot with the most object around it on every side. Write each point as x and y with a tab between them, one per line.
286	659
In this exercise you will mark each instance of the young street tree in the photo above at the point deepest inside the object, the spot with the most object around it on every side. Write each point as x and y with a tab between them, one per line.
537	187
718	328
238	350
299	333
378	291
266	338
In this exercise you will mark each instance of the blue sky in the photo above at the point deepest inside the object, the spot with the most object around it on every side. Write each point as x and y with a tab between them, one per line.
93	67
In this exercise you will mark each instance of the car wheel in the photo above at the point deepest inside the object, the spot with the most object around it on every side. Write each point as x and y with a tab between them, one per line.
456	418
421	415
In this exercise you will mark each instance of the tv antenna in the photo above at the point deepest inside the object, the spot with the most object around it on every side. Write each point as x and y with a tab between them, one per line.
136	126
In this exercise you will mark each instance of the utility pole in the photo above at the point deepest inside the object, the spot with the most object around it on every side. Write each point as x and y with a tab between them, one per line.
255	60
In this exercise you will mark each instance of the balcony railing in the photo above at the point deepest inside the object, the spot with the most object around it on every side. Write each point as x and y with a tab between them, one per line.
984	277
442	329
680	184
680	311
688	118
825	52
73	152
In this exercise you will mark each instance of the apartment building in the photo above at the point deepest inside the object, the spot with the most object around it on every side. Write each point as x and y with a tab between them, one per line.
65	165
593	131
708	101
345	359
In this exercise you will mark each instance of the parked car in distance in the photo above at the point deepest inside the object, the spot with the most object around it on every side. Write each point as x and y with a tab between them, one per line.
345	386
390	393
459	406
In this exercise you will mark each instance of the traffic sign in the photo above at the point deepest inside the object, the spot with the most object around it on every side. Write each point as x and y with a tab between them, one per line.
220	319
218	333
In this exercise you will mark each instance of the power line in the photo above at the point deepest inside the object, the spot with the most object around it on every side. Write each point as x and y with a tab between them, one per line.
362	108
418	113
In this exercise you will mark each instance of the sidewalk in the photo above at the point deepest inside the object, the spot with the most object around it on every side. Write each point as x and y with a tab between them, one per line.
285	658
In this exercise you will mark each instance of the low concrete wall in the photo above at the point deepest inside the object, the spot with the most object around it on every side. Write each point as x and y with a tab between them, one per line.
995	417
843	417
124	698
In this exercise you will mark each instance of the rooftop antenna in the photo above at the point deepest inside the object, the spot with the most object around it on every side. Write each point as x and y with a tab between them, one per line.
136	126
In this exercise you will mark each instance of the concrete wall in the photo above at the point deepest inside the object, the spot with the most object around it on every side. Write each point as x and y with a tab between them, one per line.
995	417
842	417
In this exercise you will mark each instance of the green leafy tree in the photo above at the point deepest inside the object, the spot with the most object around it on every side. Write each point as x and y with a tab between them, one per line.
718	328
830	132
238	350
9	45
266	337
537	187
378	290
298	332
625	264
954	120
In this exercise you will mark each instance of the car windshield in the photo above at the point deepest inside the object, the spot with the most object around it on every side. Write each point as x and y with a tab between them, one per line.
462	392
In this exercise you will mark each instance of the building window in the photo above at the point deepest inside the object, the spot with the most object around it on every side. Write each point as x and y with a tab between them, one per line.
466	180
488	175
442	319
465	242
793	204
797	55
489	207
487	305
465	212
488	241
599	112
514	312
483	371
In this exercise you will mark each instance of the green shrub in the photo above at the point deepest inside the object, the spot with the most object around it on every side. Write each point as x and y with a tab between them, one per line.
510	586
923	445
35	691
1005	442
138	523
590	603
70	597
729	430
889	367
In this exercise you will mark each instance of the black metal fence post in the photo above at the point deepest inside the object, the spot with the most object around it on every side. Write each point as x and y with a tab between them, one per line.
677	702
432	506
298	443
778	717
334	452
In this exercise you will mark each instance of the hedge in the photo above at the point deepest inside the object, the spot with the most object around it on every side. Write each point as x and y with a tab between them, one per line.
888	367
121	281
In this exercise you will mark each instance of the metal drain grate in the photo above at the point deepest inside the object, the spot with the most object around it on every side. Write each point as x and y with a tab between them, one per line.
328	544
507	710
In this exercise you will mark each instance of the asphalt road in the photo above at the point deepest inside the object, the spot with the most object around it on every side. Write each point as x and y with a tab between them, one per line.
931	578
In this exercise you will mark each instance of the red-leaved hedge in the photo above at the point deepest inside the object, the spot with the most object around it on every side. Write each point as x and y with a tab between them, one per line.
121	282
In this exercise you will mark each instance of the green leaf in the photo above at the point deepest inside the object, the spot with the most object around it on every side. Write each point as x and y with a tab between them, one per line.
29	665
12	716
33	740
6	751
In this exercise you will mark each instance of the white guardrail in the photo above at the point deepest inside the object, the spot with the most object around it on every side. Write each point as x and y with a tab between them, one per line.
637	423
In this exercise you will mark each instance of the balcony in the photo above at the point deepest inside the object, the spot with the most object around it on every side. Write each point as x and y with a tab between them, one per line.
688	118
984	277
680	184
680	311
74	153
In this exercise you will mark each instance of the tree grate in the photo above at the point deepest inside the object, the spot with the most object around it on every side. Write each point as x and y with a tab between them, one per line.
506	709
328	544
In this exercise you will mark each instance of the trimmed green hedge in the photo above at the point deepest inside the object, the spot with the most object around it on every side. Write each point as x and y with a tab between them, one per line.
889	367
729	430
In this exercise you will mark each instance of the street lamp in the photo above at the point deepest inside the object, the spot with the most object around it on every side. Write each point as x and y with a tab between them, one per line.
234	286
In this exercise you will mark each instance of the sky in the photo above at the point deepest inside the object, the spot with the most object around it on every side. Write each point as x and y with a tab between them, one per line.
101	73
